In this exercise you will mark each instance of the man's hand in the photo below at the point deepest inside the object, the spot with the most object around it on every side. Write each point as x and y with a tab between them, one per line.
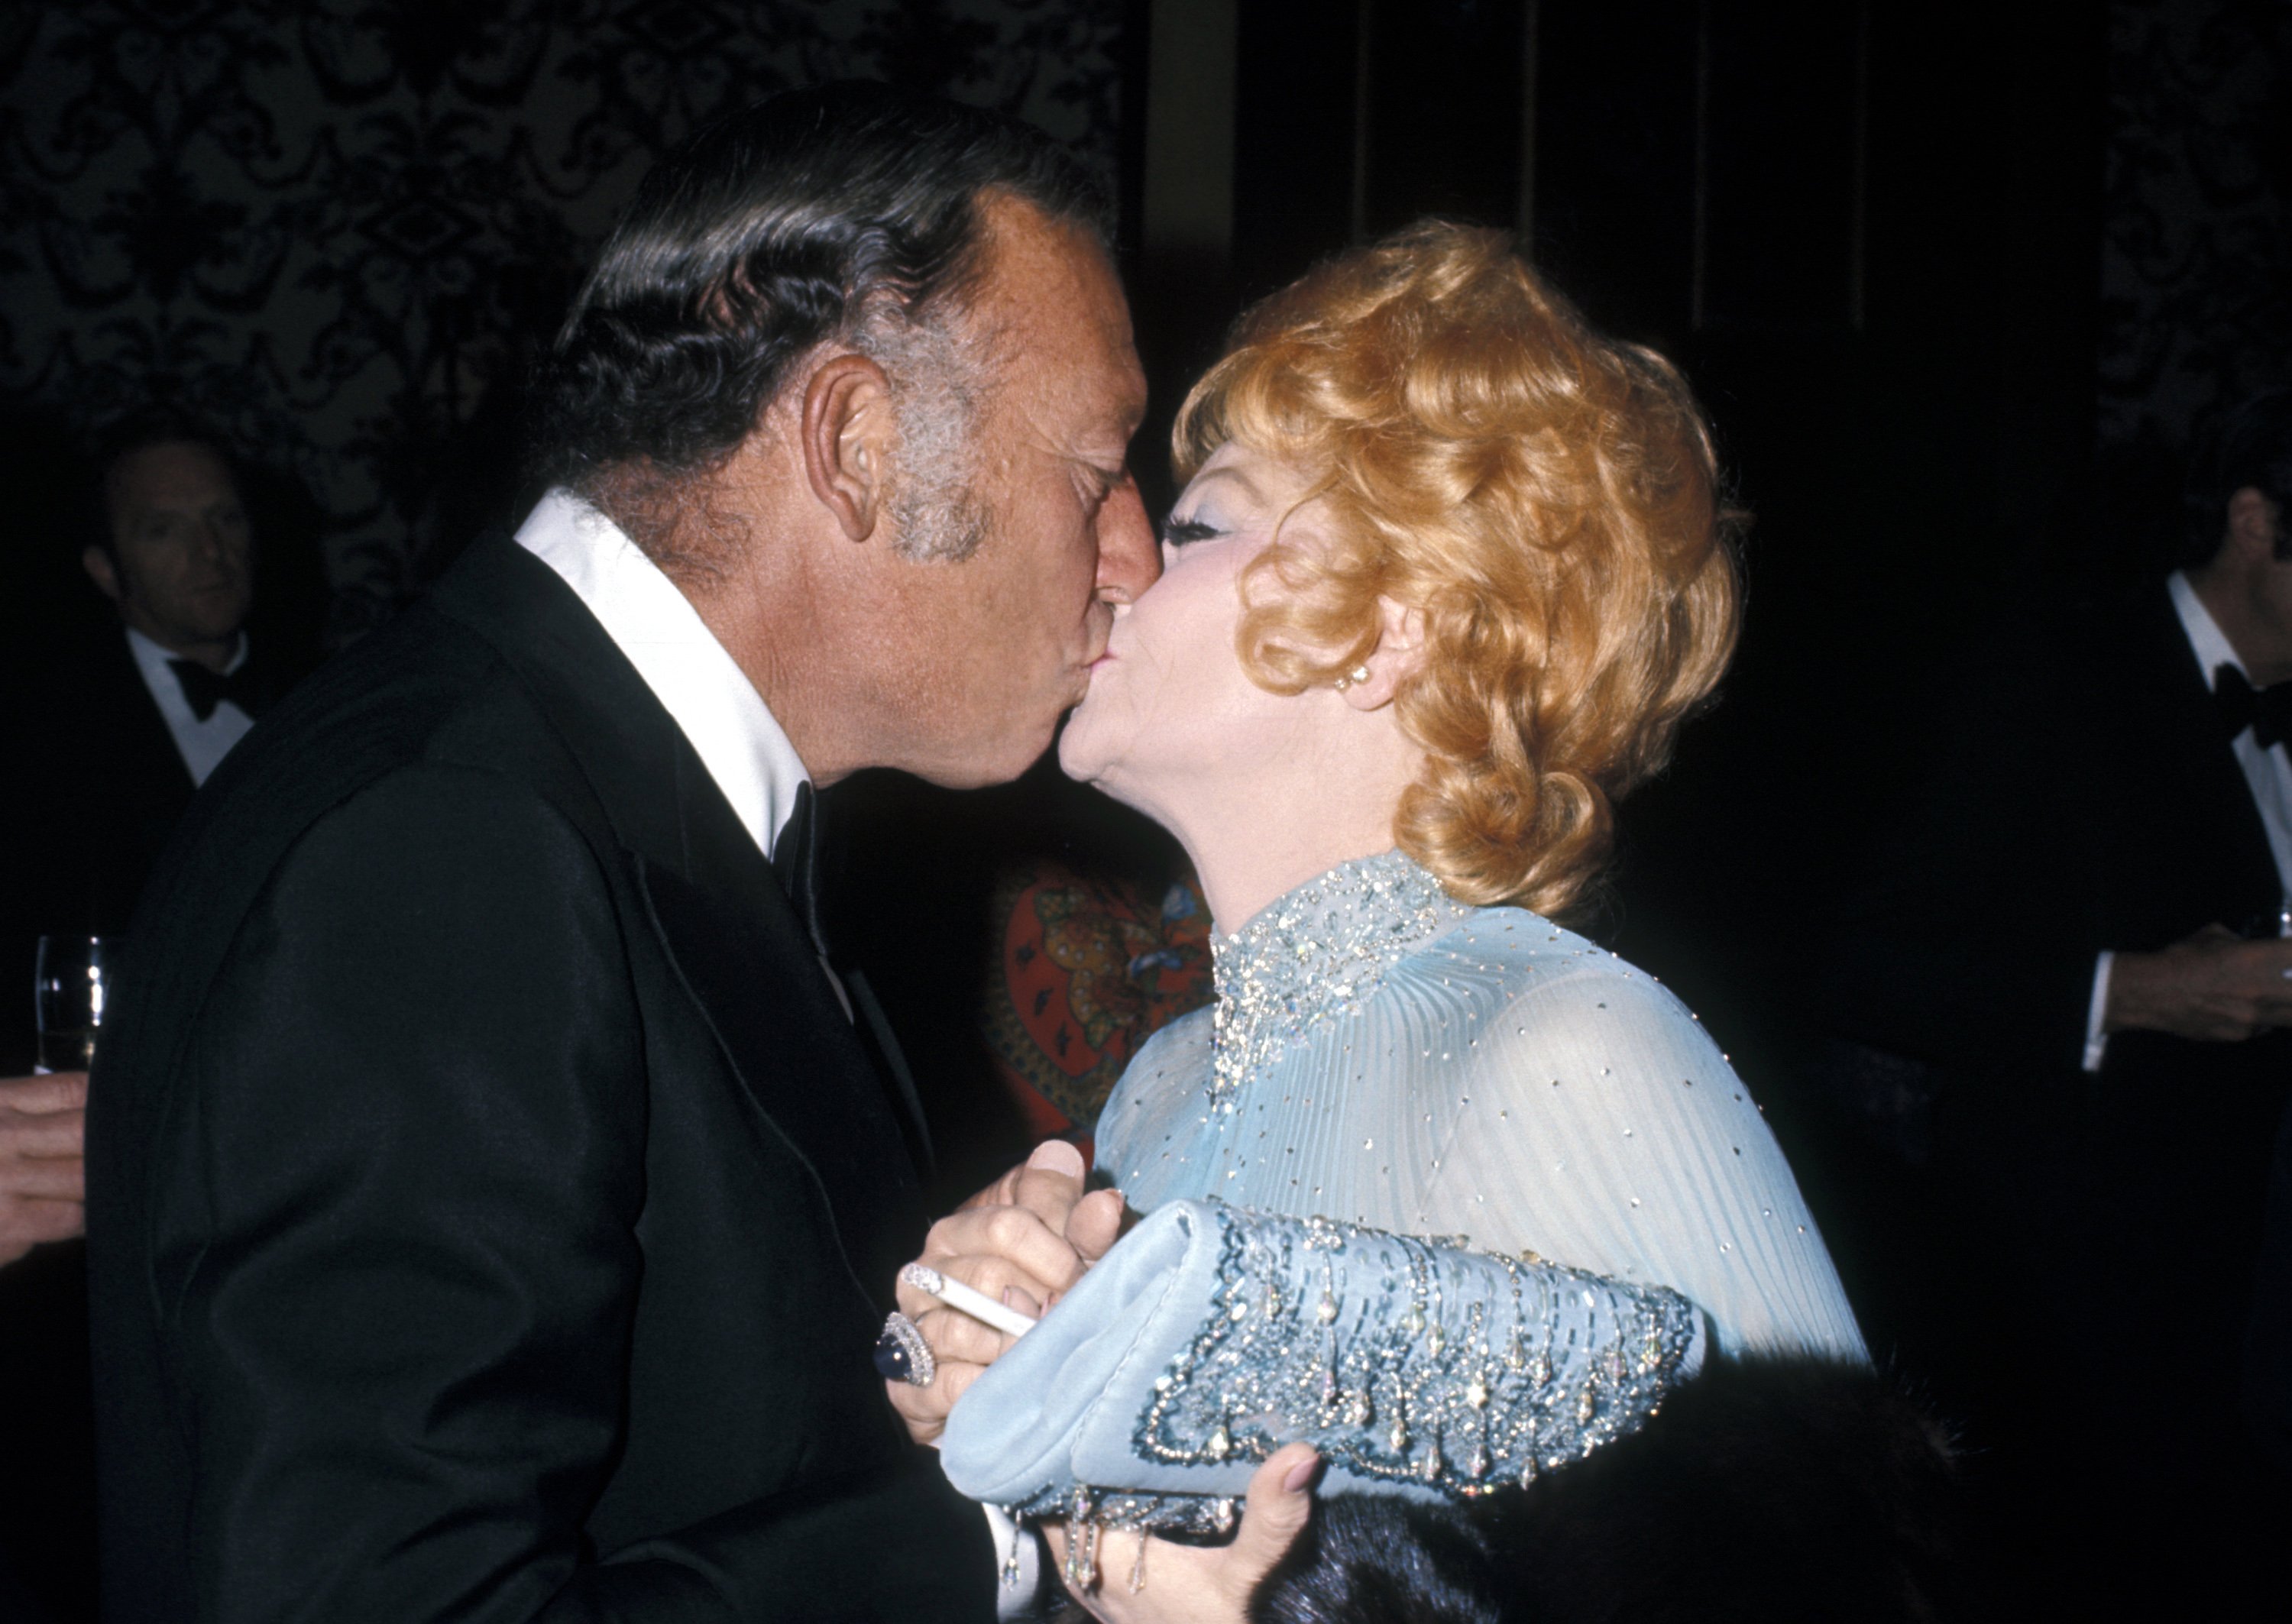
42	1122
2214	987
1193	1584
1024	1241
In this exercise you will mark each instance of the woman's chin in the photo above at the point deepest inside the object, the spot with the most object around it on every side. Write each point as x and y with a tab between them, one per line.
1089	753
1079	755
1095	739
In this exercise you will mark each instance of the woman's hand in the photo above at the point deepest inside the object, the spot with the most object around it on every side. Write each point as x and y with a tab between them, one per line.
1194	1584
1024	1241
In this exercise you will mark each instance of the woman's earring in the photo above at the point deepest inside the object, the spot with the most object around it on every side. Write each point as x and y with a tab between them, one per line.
1360	674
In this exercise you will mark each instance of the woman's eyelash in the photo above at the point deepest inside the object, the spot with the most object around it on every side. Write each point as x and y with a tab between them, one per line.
1178	532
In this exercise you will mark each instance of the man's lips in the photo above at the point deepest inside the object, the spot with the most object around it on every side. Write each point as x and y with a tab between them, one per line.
1103	660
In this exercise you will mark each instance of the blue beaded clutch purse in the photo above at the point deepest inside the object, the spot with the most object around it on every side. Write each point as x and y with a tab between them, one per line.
1211	1336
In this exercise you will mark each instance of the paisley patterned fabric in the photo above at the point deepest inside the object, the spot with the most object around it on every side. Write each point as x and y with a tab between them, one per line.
1090	967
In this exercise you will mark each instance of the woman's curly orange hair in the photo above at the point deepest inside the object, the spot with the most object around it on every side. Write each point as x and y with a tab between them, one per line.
1547	496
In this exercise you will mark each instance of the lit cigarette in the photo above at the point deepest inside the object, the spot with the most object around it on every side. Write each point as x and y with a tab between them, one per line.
961	1297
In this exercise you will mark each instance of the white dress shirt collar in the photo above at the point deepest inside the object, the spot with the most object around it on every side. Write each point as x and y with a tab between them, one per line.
156	657
658	629
2267	773
2213	649
202	742
2267	770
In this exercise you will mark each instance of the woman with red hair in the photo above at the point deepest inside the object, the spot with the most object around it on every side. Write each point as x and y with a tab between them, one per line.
1448	571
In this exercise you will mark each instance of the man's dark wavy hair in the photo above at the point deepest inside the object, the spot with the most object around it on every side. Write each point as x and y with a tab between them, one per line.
768	232
2250	447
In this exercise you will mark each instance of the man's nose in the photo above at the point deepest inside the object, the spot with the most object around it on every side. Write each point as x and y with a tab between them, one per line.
1128	561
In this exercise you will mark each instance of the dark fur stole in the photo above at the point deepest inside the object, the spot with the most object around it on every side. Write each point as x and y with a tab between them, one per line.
1767	1489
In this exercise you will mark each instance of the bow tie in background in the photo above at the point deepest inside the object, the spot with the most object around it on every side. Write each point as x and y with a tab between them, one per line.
203	690
2267	711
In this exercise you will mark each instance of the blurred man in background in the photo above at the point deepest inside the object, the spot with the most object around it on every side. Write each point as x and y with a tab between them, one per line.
126	720
121	725
2076	956
152	710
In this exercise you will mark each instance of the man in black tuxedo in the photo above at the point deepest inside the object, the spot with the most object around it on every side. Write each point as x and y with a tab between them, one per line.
2083	934
124	724
135	719
493	1207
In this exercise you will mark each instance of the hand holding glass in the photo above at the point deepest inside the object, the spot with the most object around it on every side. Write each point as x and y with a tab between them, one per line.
69	985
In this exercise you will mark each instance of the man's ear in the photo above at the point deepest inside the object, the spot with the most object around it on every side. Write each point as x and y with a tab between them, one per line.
848	431
2252	522
1398	655
101	570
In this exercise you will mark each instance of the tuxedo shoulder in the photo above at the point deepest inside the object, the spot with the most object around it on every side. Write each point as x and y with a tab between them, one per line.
401	690
423	693
416	751
432	815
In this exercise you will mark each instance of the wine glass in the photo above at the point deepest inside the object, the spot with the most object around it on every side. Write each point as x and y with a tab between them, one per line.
71	984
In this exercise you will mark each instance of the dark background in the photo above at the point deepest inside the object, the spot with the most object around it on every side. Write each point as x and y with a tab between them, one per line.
1956	281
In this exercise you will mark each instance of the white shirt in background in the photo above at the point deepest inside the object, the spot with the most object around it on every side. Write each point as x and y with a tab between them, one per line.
2267	770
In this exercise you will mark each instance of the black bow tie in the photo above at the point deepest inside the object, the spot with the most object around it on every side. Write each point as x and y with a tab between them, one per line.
793	855
2267	711
203	690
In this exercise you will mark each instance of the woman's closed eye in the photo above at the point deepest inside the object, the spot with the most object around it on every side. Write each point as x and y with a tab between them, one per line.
1178	532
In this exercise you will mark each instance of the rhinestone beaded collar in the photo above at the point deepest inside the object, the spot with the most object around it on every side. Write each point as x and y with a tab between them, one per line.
1314	952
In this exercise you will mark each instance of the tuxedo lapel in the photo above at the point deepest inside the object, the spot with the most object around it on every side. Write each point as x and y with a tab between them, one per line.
717	908
143	739
889	1062
118	740
723	922
2201	783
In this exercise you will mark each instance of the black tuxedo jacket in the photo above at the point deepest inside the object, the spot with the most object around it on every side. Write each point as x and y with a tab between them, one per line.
142	786
111	787
2079	796
115	787
2082	797
489	1196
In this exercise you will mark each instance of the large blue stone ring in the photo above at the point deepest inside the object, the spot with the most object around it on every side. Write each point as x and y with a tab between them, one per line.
902	1355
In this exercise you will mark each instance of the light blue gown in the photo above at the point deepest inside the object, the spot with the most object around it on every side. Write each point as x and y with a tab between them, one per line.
1593	1187
1381	1055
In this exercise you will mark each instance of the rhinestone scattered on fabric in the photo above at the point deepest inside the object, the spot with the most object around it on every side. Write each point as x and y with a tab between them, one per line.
1439	1369
1315	951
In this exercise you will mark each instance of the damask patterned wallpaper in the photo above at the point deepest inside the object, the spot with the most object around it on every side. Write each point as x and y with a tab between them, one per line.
2197	255
334	229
